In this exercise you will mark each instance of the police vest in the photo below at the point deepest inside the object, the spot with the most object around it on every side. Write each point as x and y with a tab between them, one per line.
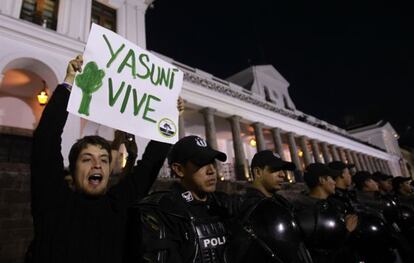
269	233
323	226
205	236
211	236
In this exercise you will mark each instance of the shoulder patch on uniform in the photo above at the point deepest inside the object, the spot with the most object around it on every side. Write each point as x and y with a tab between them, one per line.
188	196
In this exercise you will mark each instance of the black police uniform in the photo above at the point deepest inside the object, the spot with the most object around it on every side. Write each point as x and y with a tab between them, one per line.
266	231
324	229
178	228
378	234
406	216
346	198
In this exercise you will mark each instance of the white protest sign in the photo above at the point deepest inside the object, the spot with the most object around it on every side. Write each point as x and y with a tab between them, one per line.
127	88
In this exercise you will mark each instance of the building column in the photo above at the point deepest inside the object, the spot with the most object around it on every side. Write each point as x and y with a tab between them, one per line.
365	162
342	156
361	159
378	165
306	154
381	165
335	155
181	127
356	161
241	168
293	150
325	152
11	7
315	151
384	169
277	140
374	164
74	19
210	126
366	158
387	167
131	20
258	133
350	159
370	165
404	168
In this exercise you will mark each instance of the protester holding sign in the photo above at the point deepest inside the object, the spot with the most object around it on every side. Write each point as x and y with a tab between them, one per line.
86	224
126	87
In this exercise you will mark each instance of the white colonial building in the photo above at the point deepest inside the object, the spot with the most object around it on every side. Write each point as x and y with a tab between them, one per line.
249	111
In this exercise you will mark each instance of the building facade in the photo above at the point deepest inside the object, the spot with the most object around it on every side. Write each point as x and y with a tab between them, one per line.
249	111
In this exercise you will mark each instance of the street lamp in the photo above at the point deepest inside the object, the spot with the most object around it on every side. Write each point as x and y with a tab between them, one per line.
42	97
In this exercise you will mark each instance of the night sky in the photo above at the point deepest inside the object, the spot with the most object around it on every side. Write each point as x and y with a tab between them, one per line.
347	62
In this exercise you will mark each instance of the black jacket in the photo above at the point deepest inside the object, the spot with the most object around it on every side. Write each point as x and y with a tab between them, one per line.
266	231
175	227
345	199
69	226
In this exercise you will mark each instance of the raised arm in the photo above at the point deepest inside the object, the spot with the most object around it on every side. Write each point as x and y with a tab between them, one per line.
47	162
128	140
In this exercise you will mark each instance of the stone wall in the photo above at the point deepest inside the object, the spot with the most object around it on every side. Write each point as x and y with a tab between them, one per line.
15	218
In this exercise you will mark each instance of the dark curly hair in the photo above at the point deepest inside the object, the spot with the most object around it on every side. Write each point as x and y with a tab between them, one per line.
82	144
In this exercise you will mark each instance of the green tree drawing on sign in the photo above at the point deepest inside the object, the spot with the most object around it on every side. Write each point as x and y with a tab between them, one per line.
89	82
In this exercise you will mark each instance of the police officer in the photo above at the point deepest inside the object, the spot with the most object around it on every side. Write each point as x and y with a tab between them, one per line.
186	224
367	190
384	182
343	182
267	230
403	195
378	234
326	227
403	190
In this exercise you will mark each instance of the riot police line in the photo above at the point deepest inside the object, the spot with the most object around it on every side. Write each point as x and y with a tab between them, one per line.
338	217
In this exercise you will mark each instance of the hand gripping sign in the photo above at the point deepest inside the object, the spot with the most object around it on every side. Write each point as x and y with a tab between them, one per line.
127	88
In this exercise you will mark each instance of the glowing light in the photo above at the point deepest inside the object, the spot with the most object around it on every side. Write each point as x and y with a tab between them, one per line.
300	153
280	227
331	223
252	142
42	97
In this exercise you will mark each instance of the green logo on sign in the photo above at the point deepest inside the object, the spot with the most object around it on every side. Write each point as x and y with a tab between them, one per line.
167	127
89	82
